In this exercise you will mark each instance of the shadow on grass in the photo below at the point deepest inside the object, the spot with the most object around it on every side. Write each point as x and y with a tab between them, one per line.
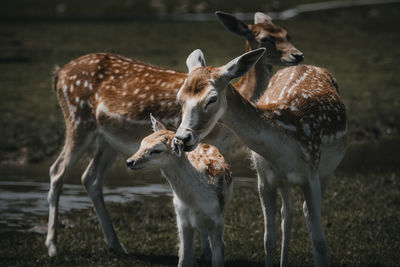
156	259
173	260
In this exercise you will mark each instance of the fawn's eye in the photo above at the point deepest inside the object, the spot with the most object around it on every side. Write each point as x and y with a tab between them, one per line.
155	151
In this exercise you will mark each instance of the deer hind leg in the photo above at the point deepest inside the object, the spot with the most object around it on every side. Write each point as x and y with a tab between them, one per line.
287	222
72	151
92	179
312	211
205	246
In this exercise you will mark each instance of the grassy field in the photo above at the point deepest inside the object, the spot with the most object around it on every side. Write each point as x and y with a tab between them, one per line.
358	45
360	216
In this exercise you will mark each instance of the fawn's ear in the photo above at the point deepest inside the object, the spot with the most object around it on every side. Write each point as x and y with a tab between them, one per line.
177	147
233	25
157	125
260	18
242	64
195	59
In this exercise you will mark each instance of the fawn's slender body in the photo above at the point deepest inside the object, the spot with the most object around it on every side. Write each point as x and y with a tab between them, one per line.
106	99
297	132
202	184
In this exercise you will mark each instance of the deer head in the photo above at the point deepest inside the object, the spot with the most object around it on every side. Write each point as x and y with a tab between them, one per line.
264	33
155	149
203	94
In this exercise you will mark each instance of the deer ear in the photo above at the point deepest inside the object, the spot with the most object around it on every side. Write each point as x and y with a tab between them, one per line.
195	59
241	65
260	18
233	24
157	125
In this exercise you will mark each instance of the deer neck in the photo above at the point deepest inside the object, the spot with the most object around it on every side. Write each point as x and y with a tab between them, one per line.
253	84
183	178
255	128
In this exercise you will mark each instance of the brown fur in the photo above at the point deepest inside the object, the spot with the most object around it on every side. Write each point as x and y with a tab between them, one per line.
297	99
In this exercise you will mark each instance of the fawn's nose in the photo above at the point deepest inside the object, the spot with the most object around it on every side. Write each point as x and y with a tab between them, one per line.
130	163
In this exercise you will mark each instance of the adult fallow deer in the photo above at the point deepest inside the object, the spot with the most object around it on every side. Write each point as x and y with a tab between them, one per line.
297	132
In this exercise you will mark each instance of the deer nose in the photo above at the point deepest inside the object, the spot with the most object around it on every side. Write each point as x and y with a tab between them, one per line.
298	56
187	138
130	163
184	135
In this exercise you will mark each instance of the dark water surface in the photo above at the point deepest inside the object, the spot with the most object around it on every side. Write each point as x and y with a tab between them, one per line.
23	192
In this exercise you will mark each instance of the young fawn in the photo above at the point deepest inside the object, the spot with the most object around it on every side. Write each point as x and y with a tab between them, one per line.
201	182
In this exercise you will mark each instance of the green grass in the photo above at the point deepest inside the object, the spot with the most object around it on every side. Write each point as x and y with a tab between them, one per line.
360	217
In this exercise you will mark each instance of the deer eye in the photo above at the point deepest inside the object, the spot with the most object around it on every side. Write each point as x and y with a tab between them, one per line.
155	151
211	100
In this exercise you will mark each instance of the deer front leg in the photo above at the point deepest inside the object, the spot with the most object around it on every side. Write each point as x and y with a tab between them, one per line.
205	246
268	205
312	212
217	245
287	222
186	237
93	182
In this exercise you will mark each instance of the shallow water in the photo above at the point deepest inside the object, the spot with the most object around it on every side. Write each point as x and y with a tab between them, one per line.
23	193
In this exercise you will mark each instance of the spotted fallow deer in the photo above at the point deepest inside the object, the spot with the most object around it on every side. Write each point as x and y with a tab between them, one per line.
297	132
202	185
263	33
106	98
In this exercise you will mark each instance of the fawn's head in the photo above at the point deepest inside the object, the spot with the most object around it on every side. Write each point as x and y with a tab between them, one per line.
203	94
155	149
264	33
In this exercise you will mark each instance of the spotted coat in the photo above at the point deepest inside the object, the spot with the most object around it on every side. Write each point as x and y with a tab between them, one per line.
304	101
120	86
